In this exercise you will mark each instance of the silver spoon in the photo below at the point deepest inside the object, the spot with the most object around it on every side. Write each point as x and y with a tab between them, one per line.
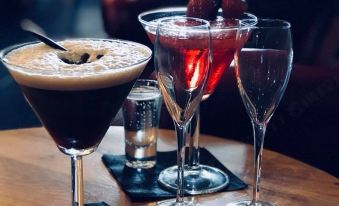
32	28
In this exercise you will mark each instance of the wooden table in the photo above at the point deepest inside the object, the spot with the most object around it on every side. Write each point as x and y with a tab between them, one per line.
34	173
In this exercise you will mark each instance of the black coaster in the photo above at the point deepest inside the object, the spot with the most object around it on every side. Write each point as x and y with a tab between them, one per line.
142	185
97	204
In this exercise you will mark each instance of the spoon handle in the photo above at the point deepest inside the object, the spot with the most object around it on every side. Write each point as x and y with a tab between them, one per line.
32	28
47	41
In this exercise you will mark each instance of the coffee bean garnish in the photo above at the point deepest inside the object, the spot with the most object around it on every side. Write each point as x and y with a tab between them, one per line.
99	56
77	58
83	58
67	61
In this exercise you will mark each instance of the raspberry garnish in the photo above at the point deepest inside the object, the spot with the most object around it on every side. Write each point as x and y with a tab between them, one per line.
204	9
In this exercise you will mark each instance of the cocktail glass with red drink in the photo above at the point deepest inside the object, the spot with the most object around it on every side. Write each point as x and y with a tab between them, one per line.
228	35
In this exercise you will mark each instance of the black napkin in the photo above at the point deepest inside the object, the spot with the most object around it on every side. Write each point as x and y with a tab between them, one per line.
142	185
97	204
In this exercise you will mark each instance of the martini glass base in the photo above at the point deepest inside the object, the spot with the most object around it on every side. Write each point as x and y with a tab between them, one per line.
248	203
203	180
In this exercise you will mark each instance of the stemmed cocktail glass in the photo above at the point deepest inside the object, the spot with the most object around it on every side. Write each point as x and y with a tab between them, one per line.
227	36
263	69
76	101
182	59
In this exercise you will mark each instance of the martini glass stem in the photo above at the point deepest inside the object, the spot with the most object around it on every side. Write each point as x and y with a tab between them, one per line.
77	181
194	155
181	130
259	130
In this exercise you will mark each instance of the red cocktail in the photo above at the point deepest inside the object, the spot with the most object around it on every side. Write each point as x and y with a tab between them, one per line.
227	35
224	43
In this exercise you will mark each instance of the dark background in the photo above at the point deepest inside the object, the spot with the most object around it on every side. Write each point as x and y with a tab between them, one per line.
306	123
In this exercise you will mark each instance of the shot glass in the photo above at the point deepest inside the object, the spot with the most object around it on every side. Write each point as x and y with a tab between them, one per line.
141	113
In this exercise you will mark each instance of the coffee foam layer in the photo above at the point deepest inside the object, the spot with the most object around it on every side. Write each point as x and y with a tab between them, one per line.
37	65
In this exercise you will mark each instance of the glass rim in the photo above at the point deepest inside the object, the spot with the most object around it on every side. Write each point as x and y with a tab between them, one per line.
245	22
213	30
7	50
205	26
163	9
283	24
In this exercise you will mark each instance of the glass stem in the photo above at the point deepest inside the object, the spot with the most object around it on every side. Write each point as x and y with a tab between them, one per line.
194	155
259	130
77	181
181	131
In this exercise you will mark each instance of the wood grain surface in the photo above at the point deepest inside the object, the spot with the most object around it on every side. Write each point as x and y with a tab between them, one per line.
34	173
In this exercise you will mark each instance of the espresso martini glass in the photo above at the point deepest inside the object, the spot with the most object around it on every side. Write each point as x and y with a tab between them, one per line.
228	35
76	101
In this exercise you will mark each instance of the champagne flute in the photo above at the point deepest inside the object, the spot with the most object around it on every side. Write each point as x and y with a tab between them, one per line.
262	70
182	61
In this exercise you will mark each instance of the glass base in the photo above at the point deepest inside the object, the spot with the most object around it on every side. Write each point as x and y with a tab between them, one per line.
202	180
140	164
249	203
174	203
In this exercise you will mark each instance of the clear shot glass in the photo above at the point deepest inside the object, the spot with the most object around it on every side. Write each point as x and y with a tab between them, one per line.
141	113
